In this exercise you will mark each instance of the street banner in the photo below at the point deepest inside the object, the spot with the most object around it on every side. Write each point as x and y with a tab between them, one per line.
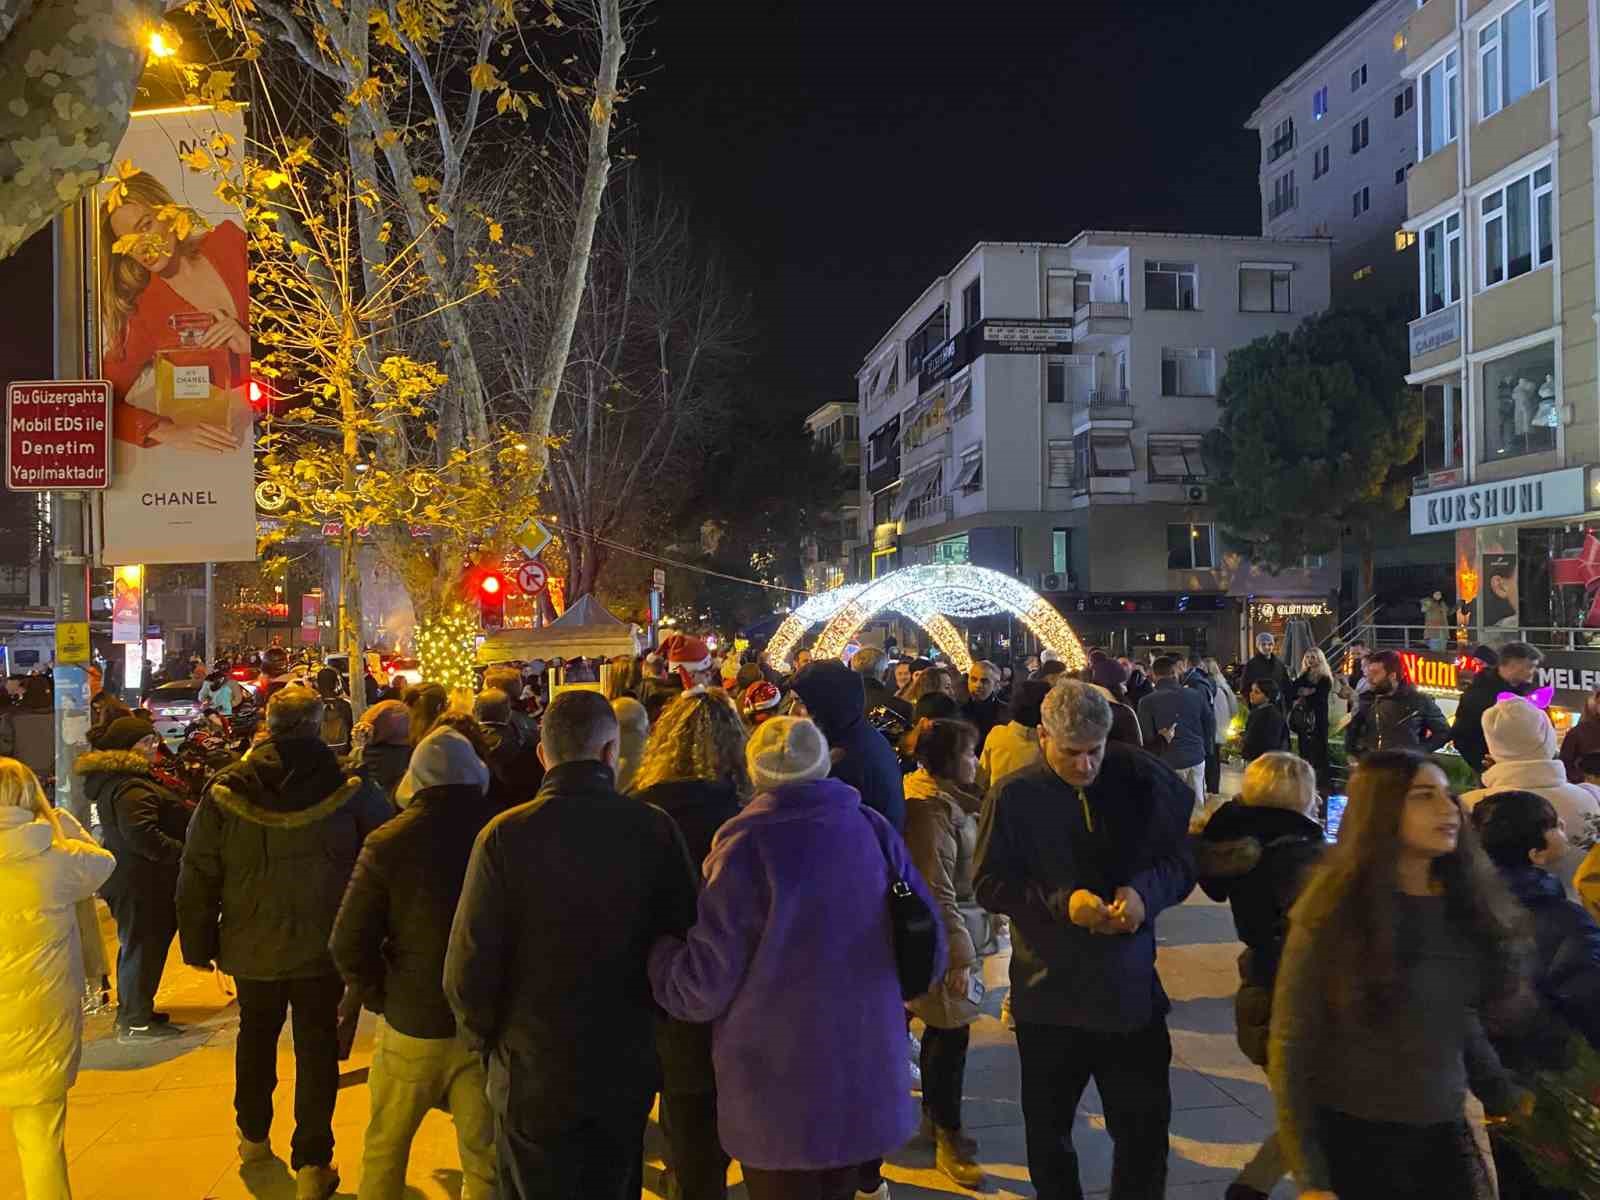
171	288
311	618
58	435
127	606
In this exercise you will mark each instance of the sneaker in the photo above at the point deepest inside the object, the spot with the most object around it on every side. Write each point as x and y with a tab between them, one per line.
132	1035
929	1132
316	1183
253	1152
882	1193
956	1156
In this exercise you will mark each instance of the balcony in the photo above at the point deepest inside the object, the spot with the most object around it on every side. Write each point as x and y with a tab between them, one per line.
1101	319
1108	408
1282	202
1087	489
929	444
1279	148
1436	337
936	510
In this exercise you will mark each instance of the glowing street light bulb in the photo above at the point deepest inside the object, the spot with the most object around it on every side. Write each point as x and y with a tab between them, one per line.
161	44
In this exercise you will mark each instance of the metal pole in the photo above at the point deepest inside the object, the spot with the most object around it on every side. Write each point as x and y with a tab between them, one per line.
73	359
211	615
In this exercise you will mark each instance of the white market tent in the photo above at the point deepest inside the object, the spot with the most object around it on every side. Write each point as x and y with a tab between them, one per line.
585	630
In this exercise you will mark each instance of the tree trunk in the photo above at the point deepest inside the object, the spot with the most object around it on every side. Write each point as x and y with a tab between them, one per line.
350	620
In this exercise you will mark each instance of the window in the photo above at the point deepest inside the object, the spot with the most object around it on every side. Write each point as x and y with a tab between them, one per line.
1520	407
1441	264
1441	442
1264	289
1175	460
1404	101
928	335
1400	173
882	507
1514	55
1055	381
1282	139
1122	283
1319	104
1058	294
1360	201
1404	239
1358	78
1061	457
1361	273
969	478
1188	372
1283	195
1170	285
1189	547
1109	453
972	304
1436	117
893	381
1517	227
962	406
1319	162
1061	551
1360	135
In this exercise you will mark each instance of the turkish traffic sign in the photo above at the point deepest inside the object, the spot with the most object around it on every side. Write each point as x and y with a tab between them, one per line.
531	577
58	435
533	538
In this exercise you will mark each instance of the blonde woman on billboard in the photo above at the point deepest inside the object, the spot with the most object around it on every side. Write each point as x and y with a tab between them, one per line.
175	312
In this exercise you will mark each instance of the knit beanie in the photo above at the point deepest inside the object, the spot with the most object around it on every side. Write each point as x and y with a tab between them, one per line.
124	734
445	759
787	750
1109	673
1516	731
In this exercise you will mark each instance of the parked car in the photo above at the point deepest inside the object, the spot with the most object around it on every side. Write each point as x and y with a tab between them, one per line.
173	706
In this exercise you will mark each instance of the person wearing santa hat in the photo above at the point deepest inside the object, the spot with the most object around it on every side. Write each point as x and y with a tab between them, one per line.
760	703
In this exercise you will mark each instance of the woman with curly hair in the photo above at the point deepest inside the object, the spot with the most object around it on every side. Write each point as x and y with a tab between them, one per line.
694	768
1401	938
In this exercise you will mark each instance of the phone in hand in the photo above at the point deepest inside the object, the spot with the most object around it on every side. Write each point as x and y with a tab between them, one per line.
1334	817
975	989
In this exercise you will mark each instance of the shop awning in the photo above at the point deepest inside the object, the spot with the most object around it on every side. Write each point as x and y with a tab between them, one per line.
919	485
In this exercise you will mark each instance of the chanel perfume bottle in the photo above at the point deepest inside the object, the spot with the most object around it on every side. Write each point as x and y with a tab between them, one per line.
193	382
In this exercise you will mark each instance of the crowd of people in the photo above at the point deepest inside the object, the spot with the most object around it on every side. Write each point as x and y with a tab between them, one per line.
658	884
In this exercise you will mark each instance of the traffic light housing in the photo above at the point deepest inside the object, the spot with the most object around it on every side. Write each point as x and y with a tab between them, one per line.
491	587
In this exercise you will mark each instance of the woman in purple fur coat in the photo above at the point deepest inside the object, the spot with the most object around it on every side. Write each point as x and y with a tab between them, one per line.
792	960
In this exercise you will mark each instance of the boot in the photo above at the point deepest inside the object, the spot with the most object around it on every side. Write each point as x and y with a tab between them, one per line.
316	1183
955	1155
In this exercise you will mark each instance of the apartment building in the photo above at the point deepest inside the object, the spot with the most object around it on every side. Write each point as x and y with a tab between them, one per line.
826	552
1502	202
1039	410
1338	138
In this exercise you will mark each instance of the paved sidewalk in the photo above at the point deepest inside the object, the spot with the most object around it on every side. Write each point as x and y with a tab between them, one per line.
156	1123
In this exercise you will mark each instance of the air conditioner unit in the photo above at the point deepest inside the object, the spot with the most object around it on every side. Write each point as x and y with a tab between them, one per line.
1195	493
1052	581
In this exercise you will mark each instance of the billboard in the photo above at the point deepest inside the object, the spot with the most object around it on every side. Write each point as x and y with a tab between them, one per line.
172	295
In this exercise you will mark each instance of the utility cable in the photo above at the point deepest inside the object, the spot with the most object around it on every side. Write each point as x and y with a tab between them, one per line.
673	562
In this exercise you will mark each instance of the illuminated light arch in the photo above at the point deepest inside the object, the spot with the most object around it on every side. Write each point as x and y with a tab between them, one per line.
824	605
951	591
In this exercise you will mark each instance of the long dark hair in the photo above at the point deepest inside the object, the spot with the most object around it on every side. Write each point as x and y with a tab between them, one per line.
1350	900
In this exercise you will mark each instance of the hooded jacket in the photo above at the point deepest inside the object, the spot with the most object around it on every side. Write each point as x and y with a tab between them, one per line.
792	958
1480	696
270	850
1523	743
1566	973
46	867
393	927
515	771
834	697
1040	839
141	822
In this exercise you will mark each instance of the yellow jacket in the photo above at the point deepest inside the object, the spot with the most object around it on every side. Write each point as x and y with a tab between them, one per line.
1587	881
47	865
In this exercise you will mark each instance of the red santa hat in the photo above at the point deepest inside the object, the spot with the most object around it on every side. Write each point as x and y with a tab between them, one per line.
761	701
687	655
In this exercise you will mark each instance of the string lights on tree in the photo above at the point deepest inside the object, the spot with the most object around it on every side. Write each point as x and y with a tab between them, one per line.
447	648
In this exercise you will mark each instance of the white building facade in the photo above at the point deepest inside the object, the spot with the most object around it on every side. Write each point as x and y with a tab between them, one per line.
1338	139
1039	411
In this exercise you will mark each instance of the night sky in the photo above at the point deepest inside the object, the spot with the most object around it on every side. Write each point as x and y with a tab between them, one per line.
842	153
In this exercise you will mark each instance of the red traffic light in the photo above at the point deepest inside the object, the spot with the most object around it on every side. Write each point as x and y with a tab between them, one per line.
490	585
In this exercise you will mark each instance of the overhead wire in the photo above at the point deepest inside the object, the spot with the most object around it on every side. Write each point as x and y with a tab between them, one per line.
649	556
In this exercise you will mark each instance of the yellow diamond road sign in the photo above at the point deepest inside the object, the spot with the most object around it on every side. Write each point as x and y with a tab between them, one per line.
534	538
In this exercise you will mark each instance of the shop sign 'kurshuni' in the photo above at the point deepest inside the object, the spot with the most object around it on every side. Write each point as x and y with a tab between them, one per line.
1501	502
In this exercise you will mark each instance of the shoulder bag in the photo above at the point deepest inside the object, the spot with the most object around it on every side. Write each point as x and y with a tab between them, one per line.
915	926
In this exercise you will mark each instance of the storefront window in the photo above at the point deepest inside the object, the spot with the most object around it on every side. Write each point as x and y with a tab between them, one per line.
1441	444
951	550
1520	406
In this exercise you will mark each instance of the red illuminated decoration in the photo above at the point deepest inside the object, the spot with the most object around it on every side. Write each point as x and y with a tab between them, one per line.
1582	570
1440	674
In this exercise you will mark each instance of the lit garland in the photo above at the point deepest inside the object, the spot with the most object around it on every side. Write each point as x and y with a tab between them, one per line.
929	595
447	649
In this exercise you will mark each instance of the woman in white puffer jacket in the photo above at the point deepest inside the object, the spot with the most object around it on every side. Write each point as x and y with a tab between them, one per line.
47	865
1522	743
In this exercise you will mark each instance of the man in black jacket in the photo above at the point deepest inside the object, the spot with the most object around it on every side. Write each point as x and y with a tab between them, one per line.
546	967
1179	724
1264	665
142	823
514	769
1514	673
835	700
270	850
1392	713
389	943
1265	730
1083	852
871	663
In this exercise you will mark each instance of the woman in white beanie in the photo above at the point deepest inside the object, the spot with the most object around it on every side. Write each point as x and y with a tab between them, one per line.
1522	743
792	932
